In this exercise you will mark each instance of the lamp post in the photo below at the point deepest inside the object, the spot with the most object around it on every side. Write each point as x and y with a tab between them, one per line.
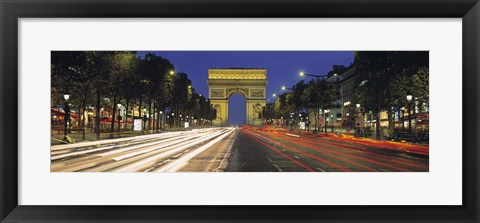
358	116
119	117
291	122
144	116
313	75
346	106
325	112
286	88
331	120
348	120
409	99
161	119
168	121
173	117
66	118
403	121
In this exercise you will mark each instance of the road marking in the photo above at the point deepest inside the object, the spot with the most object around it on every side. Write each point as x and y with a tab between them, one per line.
288	134
278	152
227	154
181	162
297	157
320	169
277	167
270	160
384	170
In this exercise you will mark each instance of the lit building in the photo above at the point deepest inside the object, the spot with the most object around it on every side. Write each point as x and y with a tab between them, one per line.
347	86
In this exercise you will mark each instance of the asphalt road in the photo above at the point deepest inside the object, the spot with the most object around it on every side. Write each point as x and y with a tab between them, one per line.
239	150
276	150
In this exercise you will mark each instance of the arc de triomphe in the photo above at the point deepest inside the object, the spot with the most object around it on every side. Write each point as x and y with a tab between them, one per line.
249	82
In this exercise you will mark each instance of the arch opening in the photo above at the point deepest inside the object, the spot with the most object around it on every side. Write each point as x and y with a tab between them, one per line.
237	110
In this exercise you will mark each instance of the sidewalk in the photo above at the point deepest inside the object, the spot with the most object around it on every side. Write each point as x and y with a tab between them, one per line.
56	137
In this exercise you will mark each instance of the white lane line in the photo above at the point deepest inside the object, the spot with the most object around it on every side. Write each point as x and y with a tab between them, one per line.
223	163
277	167
80	152
384	170
149	148
144	163
288	134
269	159
108	141
177	155
181	162
321	170
297	157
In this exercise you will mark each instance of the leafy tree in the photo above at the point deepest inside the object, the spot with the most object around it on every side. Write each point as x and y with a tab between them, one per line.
122	64
378	71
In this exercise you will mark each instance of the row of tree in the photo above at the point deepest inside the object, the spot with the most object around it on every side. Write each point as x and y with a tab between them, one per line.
123	77
383	79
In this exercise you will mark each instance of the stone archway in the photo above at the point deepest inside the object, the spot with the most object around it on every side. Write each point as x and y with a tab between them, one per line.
248	82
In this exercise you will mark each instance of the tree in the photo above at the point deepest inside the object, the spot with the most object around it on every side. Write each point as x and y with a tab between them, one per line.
122	64
156	80
298	101
377	71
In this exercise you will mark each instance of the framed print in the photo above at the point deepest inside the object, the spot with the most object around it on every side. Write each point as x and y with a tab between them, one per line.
239	111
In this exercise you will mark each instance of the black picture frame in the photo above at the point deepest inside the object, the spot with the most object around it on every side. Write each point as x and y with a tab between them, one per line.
11	11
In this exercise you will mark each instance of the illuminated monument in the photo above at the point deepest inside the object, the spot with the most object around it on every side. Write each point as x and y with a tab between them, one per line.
249	82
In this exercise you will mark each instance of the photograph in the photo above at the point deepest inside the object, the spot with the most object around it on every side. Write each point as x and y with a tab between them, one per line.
239	111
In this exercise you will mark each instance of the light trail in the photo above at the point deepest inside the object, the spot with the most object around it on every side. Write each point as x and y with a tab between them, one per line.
181	162
136	153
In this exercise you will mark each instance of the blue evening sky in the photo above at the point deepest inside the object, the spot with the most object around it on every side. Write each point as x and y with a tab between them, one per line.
282	67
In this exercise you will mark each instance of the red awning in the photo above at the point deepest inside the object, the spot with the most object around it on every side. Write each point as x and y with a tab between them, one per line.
109	120
62	113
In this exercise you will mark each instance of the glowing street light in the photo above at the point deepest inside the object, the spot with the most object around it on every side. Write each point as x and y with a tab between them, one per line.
286	88
409	99
66	118
312	75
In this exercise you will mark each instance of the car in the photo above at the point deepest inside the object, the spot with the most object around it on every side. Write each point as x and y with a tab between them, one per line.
422	138
402	137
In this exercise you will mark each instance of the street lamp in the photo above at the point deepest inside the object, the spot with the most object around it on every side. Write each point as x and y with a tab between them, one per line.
331	118
357	124
409	99
325	112
161	119
313	75
144	116
286	88
168	121
119	117
66	118
402	109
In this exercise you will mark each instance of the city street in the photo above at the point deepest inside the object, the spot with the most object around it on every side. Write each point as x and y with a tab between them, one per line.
244	149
